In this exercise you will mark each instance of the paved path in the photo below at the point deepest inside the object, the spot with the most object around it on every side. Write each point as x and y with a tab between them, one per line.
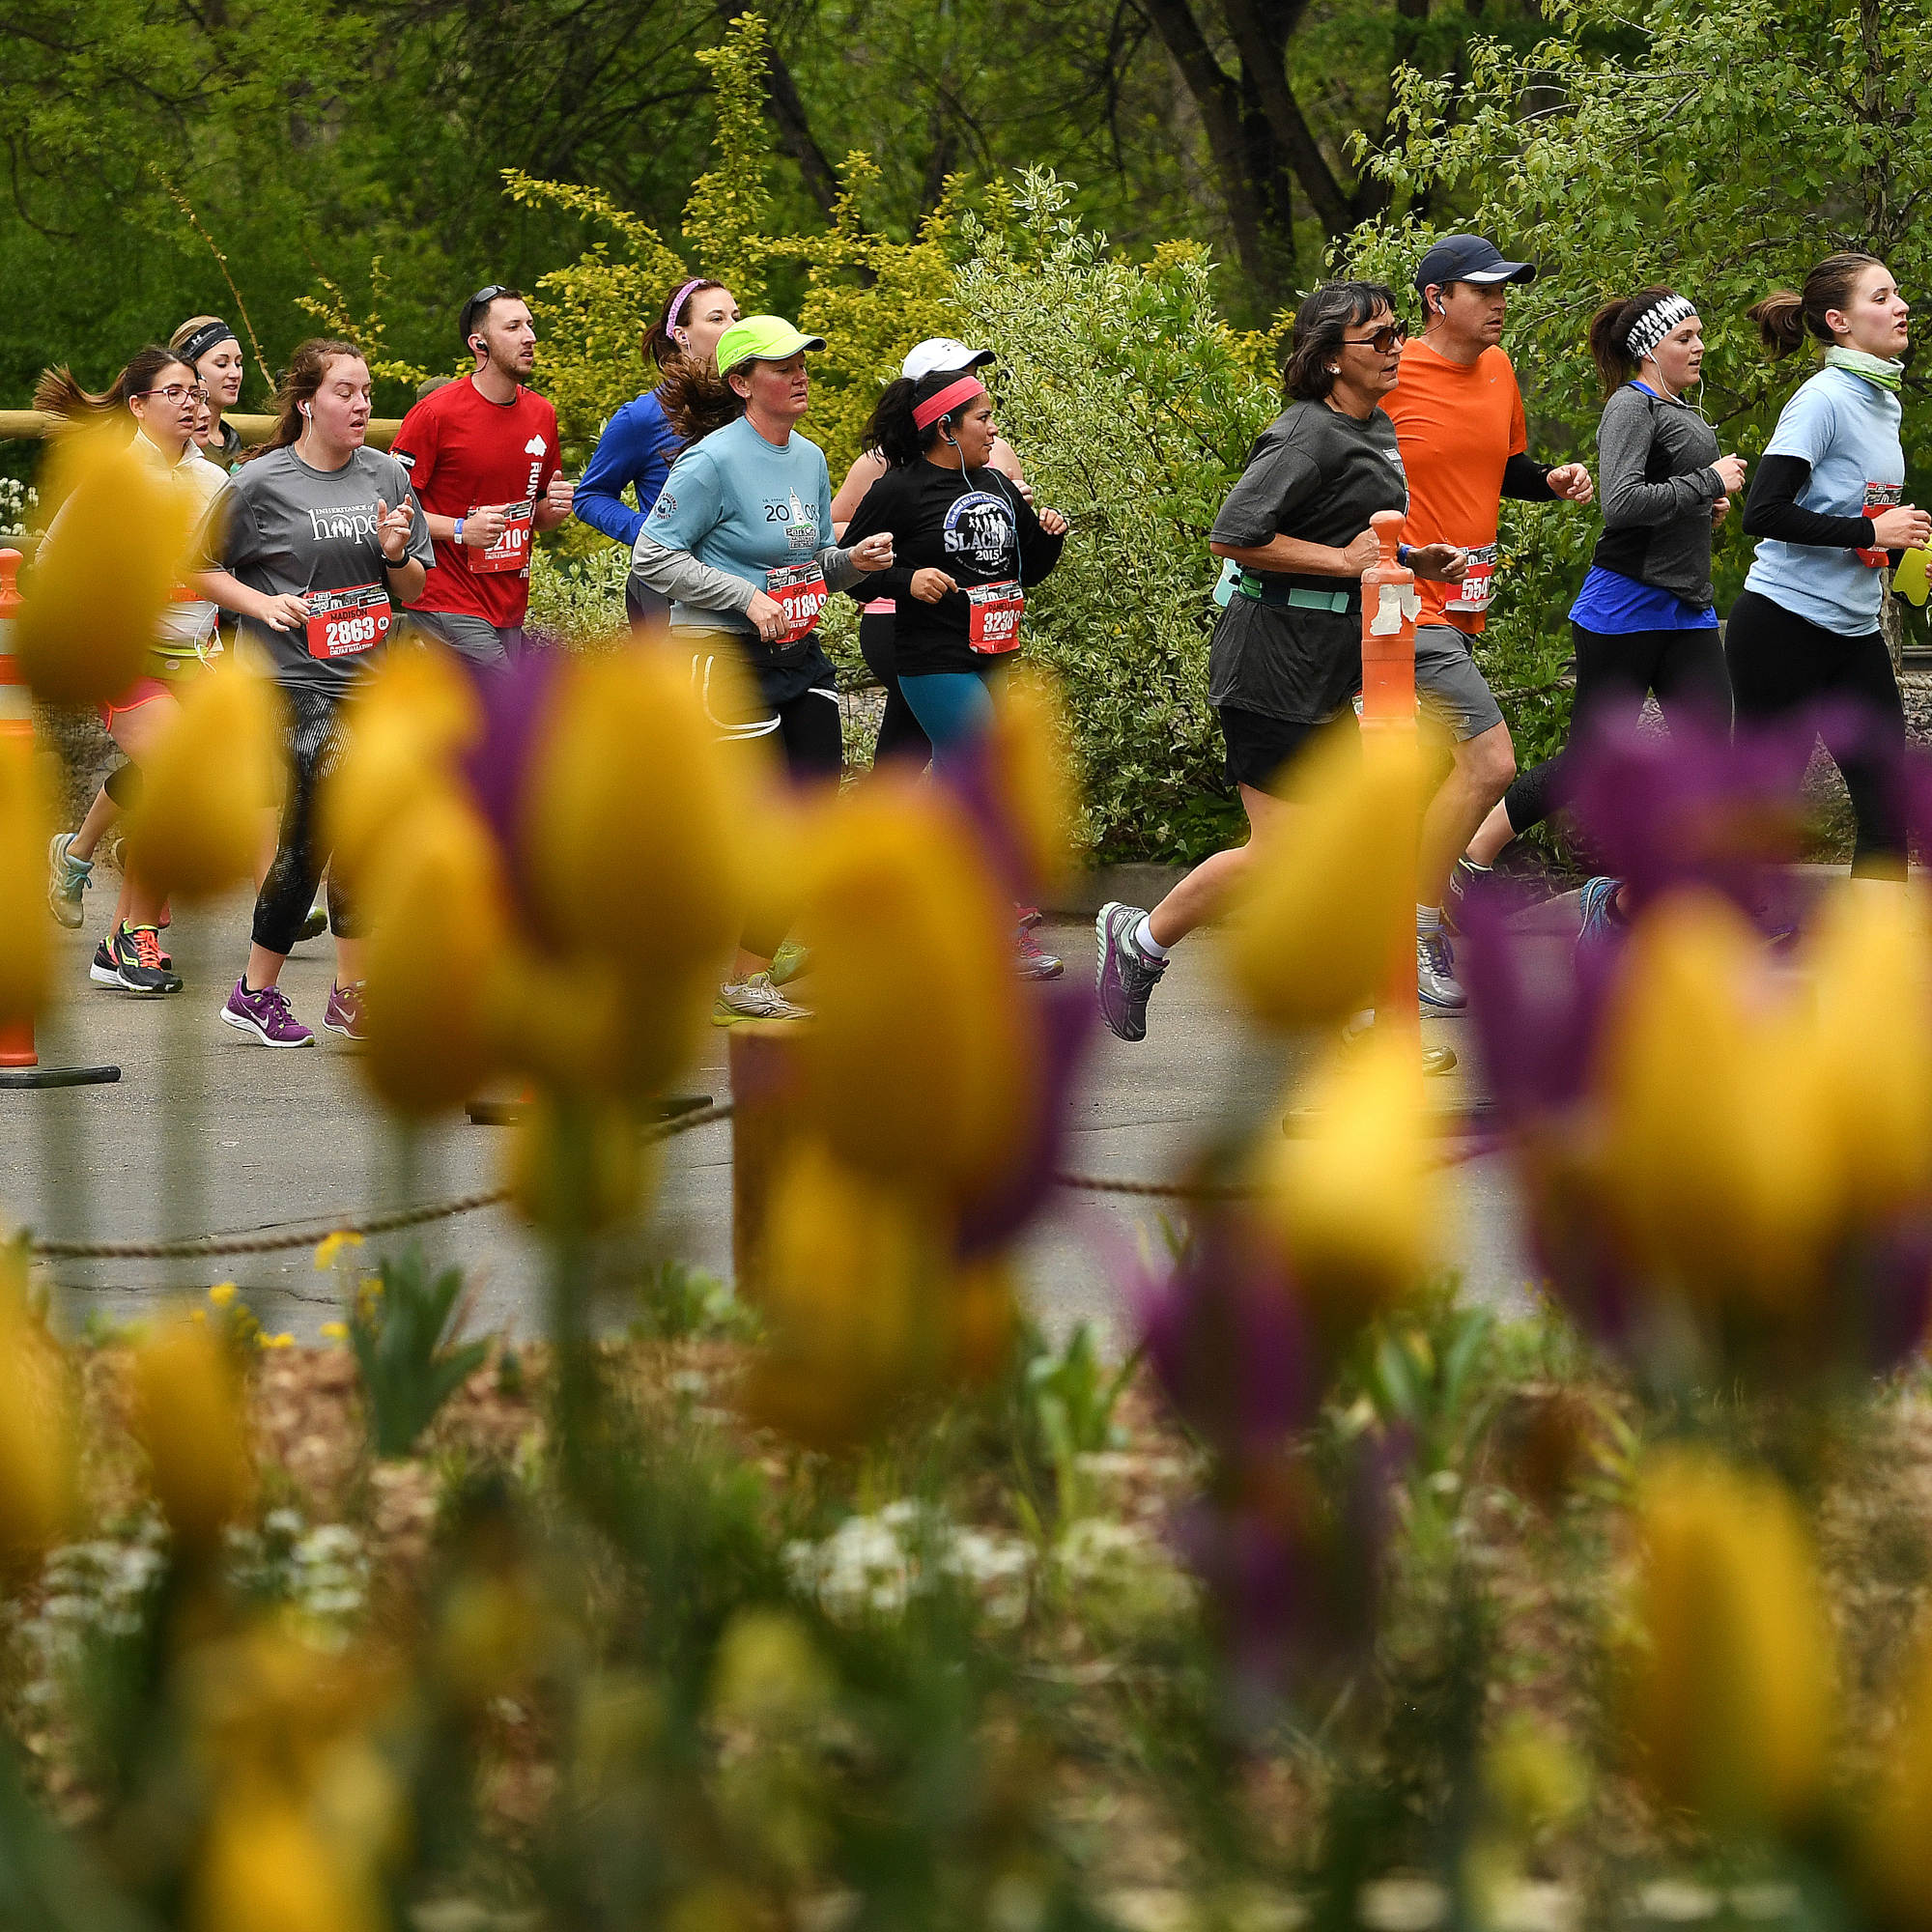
284	1137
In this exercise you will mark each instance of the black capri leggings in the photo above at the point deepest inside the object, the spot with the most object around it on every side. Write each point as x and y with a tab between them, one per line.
1685	668
314	742
900	734
1781	664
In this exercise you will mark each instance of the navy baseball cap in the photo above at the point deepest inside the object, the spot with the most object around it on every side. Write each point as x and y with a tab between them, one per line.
1469	258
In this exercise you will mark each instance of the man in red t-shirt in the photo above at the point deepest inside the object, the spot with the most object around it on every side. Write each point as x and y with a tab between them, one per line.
1458	422
482	454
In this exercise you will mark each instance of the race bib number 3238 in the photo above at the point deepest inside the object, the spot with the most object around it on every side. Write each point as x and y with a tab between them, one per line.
341	623
993	613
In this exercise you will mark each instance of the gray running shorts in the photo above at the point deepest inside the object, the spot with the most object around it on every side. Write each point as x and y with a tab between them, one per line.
1449	685
479	640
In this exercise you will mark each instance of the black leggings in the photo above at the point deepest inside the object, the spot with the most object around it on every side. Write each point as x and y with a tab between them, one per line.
1685	668
314	742
1782	665
900	734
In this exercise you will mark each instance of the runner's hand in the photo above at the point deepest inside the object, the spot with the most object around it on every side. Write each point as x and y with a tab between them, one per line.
483	525
1721	510
768	614
1901	528
282	613
1730	474
1053	523
393	524
873	552
930	585
1440	563
1572	482
1364	550
559	496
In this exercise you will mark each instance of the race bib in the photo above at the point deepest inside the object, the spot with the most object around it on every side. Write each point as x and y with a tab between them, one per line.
993	613
512	550
1479	582
800	591
341	623
1879	497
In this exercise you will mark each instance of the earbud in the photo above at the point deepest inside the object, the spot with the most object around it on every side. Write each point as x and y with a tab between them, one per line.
304	408
1334	368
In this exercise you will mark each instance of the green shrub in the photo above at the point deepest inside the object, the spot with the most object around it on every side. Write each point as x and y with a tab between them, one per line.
403	1330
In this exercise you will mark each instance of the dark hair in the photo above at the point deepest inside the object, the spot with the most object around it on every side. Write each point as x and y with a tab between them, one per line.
303	377
476	311
697	399
1325	316
1610	331
891	431
60	395
659	345
1784	318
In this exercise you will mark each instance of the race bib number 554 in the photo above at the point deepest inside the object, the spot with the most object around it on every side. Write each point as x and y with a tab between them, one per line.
1479	581
344	622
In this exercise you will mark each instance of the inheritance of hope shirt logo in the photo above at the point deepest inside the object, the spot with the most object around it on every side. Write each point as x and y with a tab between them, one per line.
353	521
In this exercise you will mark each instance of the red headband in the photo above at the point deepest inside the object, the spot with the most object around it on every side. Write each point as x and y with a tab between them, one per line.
947	401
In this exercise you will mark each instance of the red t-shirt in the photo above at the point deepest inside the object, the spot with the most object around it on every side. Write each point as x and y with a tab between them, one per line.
1458	425
464	451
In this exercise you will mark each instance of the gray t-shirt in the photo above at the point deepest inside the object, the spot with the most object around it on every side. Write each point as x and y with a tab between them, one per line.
290	530
1316	475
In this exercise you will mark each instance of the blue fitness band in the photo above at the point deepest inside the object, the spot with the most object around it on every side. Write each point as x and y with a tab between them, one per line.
1402	554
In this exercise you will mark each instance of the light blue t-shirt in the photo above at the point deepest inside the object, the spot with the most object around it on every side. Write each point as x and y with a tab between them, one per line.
1847	430
742	505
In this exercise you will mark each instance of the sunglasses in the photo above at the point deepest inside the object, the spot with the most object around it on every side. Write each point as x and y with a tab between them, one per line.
1389	336
482	298
175	391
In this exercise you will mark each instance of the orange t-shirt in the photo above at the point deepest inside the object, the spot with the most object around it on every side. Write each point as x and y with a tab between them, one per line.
1458	425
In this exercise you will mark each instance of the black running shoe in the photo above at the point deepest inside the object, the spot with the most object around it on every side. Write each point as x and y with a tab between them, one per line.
138	960
1123	976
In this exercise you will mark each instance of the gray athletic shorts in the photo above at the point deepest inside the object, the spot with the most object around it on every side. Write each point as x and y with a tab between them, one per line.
479	640
1449	685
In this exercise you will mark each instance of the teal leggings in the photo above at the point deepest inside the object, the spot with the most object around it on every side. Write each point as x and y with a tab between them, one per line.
953	707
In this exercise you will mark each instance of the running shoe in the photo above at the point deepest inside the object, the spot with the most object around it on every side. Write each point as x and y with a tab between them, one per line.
67	880
102	971
1123	976
1436	983
753	999
314	925
1032	961
343	1012
1361	1026
792	962
264	1016
1029	916
1601	917
1465	876
136	953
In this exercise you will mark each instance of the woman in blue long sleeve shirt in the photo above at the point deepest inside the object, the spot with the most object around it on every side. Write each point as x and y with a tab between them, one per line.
638	446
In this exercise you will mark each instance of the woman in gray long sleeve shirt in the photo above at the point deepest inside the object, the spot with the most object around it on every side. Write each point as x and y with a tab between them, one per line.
1643	620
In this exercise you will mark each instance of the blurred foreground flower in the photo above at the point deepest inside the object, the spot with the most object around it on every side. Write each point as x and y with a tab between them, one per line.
86	625
1730	1688
25	814
38	1435
1895	1829
189	1418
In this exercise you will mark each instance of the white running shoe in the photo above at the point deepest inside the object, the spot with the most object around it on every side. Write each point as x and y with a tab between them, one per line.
753	999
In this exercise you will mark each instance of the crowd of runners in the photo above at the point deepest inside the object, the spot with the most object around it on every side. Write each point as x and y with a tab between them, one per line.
317	552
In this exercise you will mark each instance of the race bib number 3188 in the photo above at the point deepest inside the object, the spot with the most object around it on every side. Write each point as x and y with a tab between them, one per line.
800	588
341	623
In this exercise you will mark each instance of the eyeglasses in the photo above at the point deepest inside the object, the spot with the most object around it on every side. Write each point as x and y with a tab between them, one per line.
1390	335
175	391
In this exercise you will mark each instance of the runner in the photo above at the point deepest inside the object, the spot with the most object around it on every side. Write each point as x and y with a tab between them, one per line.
1825	500
900	734
482	455
161	393
969	547
638	445
1287	655
314	541
740	541
1645	618
1459	419
209	347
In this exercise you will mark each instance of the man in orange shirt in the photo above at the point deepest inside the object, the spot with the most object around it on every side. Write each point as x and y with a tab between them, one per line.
1459	425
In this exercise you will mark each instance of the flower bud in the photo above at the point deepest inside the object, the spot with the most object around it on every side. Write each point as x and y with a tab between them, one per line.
25	955
36	1426
1729	1698
105	571
265	1867
1895	1829
196	830
1034	794
575	1164
189	1418
1331	896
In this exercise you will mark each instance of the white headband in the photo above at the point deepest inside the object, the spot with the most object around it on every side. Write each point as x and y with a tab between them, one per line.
1656	322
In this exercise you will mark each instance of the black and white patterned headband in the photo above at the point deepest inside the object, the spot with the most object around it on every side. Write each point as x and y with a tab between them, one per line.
1656	322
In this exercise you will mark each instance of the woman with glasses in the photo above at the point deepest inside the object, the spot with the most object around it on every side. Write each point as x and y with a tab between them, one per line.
164	399
208	347
1287	655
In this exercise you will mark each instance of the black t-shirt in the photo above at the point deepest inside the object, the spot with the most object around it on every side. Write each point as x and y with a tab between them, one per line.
979	530
1320	476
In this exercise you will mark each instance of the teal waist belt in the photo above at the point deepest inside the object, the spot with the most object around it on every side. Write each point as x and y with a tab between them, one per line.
1258	591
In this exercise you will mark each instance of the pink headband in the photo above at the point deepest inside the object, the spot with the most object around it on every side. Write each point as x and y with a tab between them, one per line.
947	401
678	300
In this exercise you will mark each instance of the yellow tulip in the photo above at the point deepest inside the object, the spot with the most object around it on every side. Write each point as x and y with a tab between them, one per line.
1329	900
1356	1201
934	1092
1896	1829
189	1418
1730	1693
38	1448
196	830
433	906
1030	777
768	1674
1719	1149
265	1867
105	571
599	1144
1910	580
25	955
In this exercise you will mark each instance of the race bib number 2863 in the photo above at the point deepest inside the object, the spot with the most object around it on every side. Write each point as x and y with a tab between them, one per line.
341	623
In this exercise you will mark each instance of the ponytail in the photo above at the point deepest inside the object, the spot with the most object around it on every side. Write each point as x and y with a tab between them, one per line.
697	399
58	394
307	367
659	345
892	429
1609	334
1784	319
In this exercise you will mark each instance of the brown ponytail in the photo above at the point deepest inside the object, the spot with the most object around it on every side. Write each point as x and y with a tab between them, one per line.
1784	319
60	395
306	369
659	345
697	399
1609	334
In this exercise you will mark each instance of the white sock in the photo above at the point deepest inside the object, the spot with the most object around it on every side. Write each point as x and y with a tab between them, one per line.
1146	943
1428	919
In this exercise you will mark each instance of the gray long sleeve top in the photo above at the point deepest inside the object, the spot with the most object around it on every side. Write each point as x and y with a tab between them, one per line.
1654	457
